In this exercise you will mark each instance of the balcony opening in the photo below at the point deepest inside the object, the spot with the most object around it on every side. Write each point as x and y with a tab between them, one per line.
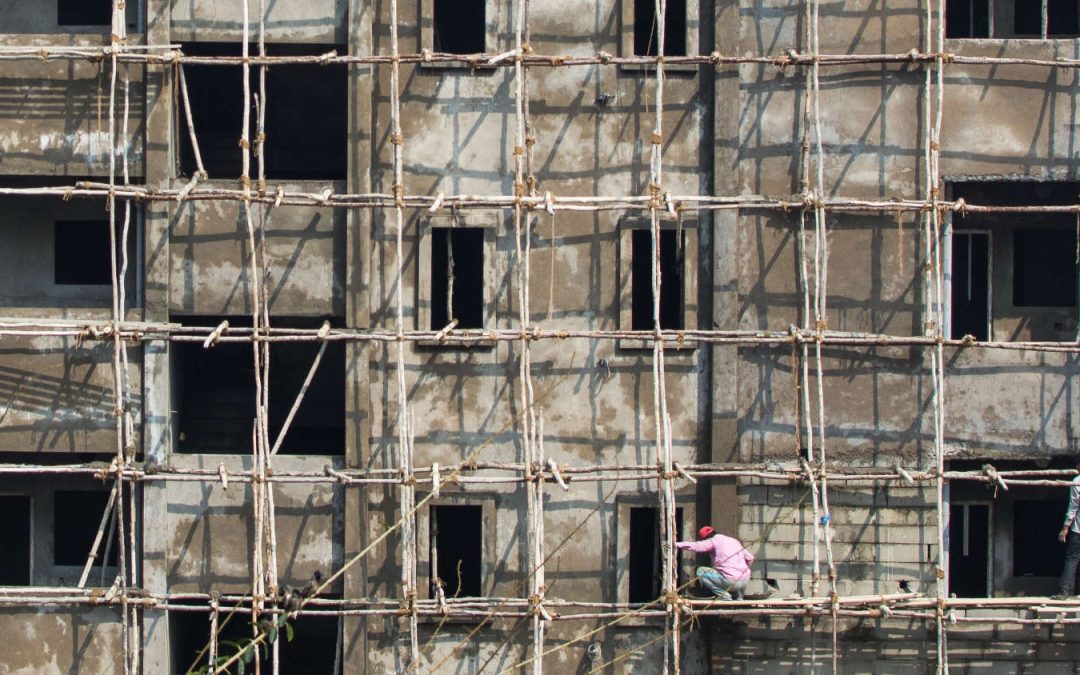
1036	549
214	395
671	281
82	255
76	518
457	277
15	530
645	28
1013	276
84	12
303	142
457	550
967	18
645	570
313	649
1044	267
460	26
1061	18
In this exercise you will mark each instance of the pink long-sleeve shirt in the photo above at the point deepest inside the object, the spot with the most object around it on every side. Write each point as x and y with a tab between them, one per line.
729	557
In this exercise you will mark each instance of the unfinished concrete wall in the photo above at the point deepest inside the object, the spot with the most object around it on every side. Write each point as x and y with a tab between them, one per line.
729	130
209	254
55	118
592	131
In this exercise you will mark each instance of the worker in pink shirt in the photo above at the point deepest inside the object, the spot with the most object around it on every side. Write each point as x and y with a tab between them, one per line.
730	571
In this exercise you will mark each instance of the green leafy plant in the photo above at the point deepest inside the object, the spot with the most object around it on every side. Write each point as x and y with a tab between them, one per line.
247	647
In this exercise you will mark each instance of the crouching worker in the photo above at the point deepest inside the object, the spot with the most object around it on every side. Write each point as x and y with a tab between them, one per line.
730	571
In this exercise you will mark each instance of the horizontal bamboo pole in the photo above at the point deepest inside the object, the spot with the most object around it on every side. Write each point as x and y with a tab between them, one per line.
547	202
520	473
139	332
172	54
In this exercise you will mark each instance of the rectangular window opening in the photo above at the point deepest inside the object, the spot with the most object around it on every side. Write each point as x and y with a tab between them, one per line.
969	550
970	291
645	28
967	18
83	12
76	518
82	255
1044	267
645	569
457	550
214	395
1036	549
313	648
671	280
460	26
303	142
457	277
1061	18
15	530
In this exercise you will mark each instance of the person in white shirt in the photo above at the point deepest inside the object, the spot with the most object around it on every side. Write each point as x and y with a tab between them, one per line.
1070	536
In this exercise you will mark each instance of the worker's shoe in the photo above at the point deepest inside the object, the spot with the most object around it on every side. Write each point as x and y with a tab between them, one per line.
1059	596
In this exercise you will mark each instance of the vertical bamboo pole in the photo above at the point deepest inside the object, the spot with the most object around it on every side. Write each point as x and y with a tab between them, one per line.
821	258
117	37
534	471
407	490
662	422
937	357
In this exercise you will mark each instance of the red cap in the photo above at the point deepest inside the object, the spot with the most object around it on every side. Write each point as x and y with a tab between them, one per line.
705	532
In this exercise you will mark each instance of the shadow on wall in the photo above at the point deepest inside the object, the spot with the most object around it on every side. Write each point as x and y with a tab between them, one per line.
213	537
57	399
305	259
874	402
55	120
285	20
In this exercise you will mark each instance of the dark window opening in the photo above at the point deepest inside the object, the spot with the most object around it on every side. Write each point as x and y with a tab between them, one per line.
645	28
459	26
303	142
457	543
671	280
1029	257
457	277
15	533
82	254
84	12
1061	17
646	562
76	518
1036	550
313	648
1044	267
967	18
970	290
215	393
969	550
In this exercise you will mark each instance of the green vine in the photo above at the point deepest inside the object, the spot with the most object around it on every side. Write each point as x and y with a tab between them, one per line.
247	646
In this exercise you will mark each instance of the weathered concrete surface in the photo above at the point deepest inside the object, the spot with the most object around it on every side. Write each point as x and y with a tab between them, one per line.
212	528
209	21
209	257
727	131
55	114
62	641
57	396
27	241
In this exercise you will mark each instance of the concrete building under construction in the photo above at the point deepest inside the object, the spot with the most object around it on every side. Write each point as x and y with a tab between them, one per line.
410	335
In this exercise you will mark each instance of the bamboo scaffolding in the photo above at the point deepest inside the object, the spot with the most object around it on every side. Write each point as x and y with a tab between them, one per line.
536	470
173	54
549	201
